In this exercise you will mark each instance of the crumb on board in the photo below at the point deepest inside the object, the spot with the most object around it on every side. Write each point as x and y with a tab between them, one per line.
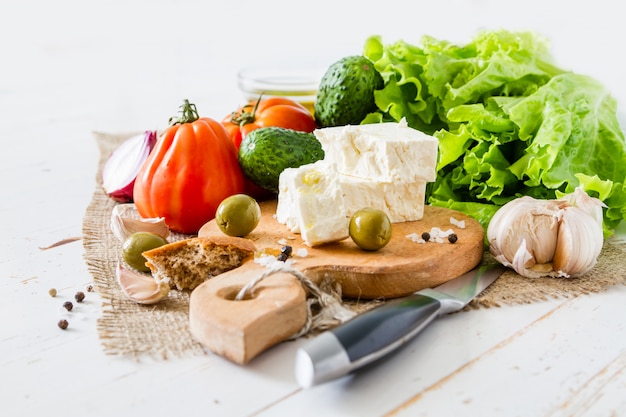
458	223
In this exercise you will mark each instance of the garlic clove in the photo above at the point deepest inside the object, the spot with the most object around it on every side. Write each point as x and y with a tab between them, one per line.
124	225
523	232
579	243
141	288
585	202
539	228
523	265
522	258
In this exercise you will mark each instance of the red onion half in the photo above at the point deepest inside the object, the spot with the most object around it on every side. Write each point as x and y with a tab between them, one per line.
121	169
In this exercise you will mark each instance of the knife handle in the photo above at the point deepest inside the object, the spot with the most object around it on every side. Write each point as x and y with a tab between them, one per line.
364	339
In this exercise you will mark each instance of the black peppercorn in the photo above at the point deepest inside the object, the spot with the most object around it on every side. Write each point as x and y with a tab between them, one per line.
79	297
285	253
89	288
63	324
286	250
452	238
426	236
68	305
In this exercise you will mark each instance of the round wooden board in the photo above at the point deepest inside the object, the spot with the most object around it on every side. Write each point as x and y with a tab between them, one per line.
400	268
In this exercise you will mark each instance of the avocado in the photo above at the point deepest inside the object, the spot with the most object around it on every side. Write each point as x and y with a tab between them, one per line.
265	152
346	92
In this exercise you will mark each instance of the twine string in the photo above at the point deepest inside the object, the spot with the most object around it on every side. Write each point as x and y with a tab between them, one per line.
328	305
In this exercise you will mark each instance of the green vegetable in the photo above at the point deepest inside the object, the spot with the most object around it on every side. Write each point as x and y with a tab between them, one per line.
265	152
509	121
346	92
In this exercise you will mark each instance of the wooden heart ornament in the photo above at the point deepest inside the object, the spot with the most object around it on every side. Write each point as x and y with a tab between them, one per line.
241	329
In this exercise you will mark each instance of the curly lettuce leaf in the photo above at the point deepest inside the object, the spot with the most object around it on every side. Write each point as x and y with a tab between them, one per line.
509	121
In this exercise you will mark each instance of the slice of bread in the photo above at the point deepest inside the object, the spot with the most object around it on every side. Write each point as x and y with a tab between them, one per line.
188	263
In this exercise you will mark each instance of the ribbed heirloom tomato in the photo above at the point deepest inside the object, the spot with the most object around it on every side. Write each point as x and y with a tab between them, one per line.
270	112
192	168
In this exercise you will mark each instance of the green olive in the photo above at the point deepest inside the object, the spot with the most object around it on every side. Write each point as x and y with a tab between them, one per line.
238	215
370	229
136	244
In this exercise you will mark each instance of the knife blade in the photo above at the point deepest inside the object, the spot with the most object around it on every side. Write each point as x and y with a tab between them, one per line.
377	332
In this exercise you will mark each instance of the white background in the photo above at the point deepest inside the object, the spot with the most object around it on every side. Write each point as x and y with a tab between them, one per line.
69	67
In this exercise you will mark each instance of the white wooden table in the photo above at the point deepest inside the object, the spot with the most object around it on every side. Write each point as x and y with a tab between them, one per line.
69	67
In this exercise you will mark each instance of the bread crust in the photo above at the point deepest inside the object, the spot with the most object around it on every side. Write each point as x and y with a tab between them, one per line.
189	262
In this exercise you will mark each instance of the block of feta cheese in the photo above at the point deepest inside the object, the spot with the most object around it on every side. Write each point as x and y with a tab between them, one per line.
403	202
381	152
317	202
311	202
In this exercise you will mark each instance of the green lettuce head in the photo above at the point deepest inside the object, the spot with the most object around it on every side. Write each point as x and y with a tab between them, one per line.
508	120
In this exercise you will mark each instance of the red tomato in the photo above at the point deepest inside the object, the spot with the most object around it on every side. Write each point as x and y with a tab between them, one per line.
274	111
192	168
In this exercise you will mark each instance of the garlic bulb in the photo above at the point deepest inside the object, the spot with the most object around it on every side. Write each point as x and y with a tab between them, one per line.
558	238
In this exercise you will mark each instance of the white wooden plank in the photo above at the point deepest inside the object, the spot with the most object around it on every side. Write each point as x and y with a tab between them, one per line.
541	367
440	351
601	395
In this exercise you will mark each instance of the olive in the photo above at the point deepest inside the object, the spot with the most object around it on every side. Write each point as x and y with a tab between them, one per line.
238	215
370	229
136	244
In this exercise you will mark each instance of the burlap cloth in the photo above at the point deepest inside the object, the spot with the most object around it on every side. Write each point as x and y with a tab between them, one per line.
162	330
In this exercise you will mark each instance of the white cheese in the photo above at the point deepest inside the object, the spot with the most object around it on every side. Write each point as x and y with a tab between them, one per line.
385	166
311	202
381	152
403	202
317	202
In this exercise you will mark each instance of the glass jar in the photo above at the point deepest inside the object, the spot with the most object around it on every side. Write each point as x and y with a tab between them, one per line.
298	84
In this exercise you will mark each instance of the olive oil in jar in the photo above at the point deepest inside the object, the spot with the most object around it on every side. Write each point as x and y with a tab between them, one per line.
299	85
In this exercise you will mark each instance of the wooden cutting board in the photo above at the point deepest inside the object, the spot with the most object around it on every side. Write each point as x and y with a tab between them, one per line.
240	330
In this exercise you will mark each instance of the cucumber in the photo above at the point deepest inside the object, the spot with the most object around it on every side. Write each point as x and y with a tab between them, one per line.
346	92
265	152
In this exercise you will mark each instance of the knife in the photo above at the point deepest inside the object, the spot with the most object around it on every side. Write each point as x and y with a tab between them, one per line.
379	331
